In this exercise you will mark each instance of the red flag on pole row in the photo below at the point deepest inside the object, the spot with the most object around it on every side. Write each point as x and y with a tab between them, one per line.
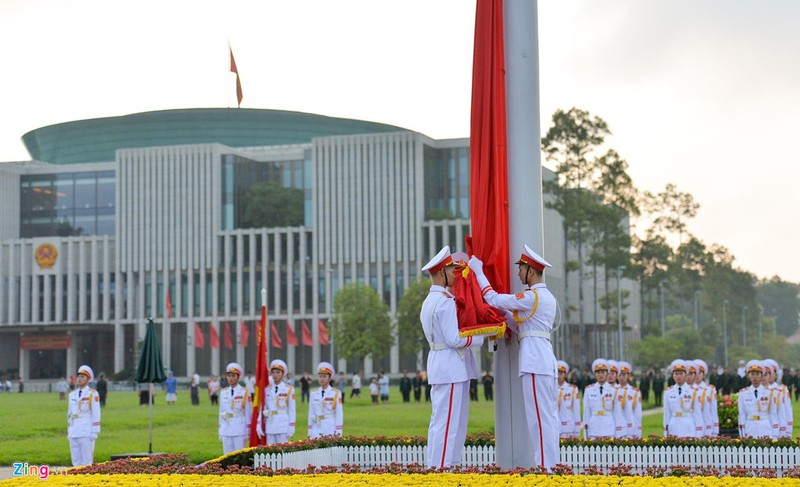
226	335
323	334
168	304
291	336
199	340
276	338
307	340
234	69
213	335
487	141
244	335
262	374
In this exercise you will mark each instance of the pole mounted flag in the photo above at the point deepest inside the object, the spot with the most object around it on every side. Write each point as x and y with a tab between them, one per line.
234	69
291	336
262	373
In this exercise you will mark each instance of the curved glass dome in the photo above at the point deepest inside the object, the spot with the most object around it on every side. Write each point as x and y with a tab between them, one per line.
97	139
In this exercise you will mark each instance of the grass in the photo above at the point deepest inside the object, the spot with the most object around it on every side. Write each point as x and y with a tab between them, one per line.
34	426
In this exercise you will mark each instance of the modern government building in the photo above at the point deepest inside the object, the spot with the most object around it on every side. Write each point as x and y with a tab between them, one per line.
116	220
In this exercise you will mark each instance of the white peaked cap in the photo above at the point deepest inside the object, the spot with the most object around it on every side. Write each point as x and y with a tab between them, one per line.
278	364
85	369
441	259
562	366
599	363
325	368
532	259
235	368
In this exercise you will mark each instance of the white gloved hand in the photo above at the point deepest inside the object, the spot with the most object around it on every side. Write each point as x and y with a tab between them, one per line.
259	430
291	432
476	265
93	436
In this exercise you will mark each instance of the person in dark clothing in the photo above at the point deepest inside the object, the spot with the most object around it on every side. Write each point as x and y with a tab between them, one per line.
427	388
416	383
305	387
194	393
488	386
405	387
102	389
473	389
658	388
644	385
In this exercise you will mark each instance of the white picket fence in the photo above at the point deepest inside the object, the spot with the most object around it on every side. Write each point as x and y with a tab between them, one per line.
578	457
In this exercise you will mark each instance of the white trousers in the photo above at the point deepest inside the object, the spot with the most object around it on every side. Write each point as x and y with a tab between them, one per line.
82	451
233	443
279	438
541	403
448	426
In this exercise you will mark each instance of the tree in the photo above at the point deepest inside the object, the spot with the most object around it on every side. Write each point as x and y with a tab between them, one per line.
779	299
409	327
671	209
268	204
361	326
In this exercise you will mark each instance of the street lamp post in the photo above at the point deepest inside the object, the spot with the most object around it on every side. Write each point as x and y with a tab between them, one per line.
696	309
619	314
725	330
744	325
663	322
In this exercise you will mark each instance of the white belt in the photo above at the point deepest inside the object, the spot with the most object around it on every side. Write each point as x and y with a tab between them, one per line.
534	333
274	412
439	346
758	418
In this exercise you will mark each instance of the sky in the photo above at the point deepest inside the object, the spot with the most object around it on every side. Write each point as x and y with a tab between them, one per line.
704	94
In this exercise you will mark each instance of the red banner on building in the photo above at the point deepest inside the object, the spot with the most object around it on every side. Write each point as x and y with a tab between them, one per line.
45	342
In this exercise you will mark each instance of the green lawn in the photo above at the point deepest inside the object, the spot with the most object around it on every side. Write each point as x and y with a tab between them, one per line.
34	425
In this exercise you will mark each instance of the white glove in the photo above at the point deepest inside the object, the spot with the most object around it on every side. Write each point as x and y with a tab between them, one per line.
476	265
93	436
259	430
291	432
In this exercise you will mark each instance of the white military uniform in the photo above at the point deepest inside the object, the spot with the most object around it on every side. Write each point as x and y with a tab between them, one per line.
450	367
602	411
280	411
235	414
83	421
683	416
569	410
534	312
757	412
325	412
709	400
783	400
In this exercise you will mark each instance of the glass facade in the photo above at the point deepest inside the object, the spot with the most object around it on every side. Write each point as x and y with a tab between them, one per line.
65	204
240	174
446	183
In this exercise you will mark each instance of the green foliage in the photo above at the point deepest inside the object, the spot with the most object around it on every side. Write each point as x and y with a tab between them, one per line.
781	300
268	204
409	327
360	324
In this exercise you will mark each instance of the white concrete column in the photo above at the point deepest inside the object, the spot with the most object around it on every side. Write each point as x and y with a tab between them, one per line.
119	347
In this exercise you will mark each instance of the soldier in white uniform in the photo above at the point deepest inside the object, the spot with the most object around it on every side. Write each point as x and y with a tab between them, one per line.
782	398
235	411
278	409
709	399
631	400
534	312
602	414
613	370
450	365
83	418
569	404
757	412
325	406
691	381
682	413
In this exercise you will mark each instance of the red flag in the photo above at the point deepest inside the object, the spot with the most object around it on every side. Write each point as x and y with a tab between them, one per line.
323	334
238	81
244	335
276	338
213	335
199	341
291	336
226	334
168	304
307	340
488	157
262	377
